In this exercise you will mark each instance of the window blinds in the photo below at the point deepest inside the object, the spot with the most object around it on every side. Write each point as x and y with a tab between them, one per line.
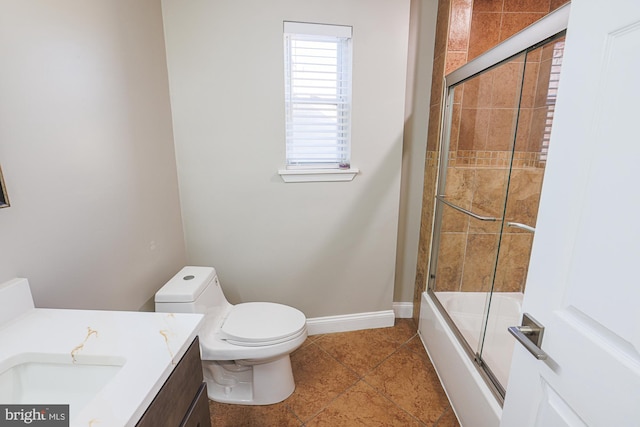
317	95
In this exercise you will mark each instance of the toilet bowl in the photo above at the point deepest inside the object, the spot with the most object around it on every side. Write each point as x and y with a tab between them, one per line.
244	348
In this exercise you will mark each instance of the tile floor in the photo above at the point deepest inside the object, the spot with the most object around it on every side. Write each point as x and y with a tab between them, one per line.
375	377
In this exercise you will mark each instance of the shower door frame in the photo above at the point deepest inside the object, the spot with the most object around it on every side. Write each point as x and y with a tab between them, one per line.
537	34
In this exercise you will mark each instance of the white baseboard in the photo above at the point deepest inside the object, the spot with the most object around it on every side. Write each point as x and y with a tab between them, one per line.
403	310
350	322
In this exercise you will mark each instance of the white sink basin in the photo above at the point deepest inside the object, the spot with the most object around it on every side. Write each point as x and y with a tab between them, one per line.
38	378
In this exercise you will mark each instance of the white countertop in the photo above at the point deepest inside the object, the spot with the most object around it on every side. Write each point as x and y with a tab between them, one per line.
147	345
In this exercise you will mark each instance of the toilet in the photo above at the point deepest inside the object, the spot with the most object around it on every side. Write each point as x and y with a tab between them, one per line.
244	348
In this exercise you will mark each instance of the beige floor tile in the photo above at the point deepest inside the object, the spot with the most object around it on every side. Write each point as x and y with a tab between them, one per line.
310	340
223	415
319	379
415	345
448	419
360	350
403	331
409	380
347	411
377	377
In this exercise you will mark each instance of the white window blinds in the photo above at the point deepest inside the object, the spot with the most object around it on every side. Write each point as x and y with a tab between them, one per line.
317	95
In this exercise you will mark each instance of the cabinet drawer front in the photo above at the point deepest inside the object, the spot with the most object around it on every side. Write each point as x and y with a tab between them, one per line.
199	415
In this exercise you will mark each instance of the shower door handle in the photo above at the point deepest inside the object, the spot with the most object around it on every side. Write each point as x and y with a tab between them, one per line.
530	336
521	226
441	198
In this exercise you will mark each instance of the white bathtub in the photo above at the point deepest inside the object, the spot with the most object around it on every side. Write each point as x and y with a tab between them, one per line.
471	398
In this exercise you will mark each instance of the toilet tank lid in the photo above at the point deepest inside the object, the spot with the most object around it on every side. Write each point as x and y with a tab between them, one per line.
186	285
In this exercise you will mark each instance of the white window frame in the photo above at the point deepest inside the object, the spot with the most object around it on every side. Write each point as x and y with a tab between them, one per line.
317	149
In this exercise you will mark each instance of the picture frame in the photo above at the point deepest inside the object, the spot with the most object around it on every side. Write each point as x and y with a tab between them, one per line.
4	198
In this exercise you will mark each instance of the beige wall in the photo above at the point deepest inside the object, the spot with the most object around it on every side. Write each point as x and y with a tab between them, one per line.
86	148
87	152
420	64
326	248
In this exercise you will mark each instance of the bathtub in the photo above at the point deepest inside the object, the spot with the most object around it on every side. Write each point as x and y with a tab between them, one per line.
472	400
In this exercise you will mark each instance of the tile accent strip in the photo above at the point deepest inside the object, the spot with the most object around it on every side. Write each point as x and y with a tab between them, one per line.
495	159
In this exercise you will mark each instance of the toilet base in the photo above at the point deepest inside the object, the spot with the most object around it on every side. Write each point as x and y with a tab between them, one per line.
249	382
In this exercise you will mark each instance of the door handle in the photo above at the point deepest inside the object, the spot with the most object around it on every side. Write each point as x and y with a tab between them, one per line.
530	335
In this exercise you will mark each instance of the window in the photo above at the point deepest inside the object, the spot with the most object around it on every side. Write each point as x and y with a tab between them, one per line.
317	96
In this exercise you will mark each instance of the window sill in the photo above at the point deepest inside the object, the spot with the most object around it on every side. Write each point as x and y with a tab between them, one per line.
317	175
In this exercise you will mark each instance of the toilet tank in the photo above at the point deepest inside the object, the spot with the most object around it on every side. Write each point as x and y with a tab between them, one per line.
191	290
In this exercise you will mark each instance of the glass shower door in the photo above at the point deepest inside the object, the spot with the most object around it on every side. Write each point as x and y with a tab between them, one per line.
493	153
535	118
472	193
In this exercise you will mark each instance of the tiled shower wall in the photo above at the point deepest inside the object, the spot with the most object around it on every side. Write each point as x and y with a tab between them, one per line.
485	110
465	29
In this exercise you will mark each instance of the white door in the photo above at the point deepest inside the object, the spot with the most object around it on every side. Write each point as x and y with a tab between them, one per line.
584	277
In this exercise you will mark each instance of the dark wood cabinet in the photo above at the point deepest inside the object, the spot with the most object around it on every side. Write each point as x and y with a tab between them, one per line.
198	415
182	400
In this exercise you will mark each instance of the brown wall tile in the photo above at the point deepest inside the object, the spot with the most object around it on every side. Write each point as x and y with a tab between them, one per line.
433	134
502	129
526	6
442	28
479	262
483	227
534	55
536	133
454	133
556	4
454	61
460	185
485	32
514	22
547	51
426	223
459	191
458	94
489	192
524	197
513	262
542	86
477	91
529	84
459	25
454	221
524	128
507	80
488	5
450	261
437	82
474	124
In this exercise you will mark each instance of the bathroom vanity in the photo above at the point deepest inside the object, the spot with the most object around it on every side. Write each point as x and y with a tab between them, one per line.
182	401
112	368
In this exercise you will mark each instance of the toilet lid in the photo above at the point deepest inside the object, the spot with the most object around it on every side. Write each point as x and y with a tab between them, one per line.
256	323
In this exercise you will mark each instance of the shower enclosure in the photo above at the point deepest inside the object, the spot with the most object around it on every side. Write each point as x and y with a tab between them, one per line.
495	136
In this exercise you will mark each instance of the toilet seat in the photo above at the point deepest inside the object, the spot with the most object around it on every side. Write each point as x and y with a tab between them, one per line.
256	324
